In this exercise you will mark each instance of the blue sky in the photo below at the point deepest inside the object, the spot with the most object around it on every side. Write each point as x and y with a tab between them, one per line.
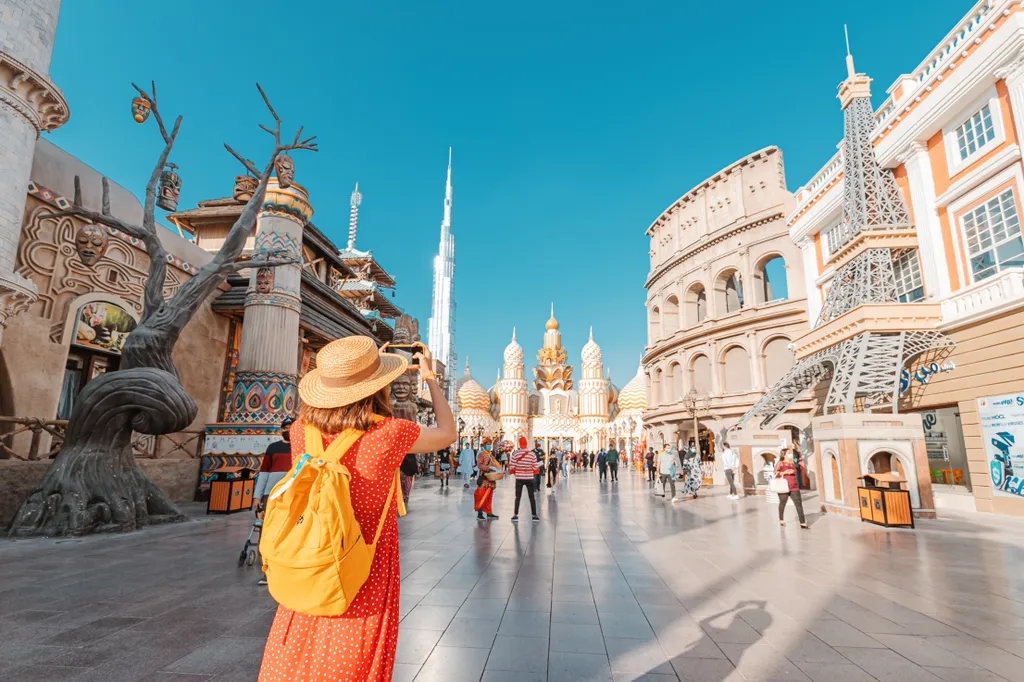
574	124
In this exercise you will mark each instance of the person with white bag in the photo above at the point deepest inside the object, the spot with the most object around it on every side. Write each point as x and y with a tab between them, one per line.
784	483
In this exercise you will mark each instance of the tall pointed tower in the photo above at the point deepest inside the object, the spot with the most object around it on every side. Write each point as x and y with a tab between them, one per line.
864	335
593	391
441	329
552	370
513	394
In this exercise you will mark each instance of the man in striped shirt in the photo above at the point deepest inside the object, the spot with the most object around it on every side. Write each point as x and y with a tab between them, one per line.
522	466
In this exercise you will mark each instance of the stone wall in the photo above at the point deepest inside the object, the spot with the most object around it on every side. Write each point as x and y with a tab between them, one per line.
27	28
177	478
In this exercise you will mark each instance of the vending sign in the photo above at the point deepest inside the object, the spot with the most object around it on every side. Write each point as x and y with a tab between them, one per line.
1002	429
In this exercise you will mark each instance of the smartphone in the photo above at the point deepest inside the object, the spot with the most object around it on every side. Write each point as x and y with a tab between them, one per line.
411	348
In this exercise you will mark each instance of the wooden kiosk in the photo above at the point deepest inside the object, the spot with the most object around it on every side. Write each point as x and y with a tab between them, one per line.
884	502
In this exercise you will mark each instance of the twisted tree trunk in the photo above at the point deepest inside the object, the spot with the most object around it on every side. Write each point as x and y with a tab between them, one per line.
95	483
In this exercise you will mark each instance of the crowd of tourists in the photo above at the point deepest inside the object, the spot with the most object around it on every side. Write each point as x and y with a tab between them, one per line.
331	490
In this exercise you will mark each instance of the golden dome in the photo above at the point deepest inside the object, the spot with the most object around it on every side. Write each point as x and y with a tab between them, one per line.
634	394
513	352
470	394
591	353
552	322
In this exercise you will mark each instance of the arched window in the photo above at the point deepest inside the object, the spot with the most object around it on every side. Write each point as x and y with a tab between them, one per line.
737	370
667	395
778	358
837	483
677	382
696	305
671	315
701	374
654	324
770	276
884	463
728	293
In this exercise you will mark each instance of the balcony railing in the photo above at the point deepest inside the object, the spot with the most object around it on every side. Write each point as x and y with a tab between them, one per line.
984	298
189	442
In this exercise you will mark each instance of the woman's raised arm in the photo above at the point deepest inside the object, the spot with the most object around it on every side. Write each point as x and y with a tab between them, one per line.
438	437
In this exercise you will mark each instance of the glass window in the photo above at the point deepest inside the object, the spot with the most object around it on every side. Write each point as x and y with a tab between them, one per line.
907	268
976	132
992	232
832	238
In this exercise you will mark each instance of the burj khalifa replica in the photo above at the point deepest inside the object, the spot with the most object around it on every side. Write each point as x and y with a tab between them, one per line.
441	331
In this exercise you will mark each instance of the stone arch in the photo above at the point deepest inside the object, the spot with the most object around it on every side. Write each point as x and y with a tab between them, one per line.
700	374
656	383
888	459
695	304
728	292
770	277
735	363
776	358
670	315
654	323
676	372
75	305
832	477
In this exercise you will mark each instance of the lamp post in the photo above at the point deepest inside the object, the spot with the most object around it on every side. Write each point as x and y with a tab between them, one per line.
696	405
462	426
631	423
478	432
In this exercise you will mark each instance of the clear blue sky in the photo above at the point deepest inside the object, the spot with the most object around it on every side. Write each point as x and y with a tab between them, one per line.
574	124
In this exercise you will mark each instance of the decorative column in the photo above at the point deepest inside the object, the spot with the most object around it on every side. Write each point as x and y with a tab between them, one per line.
1013	74
716	367
931	246
266	390
810	275
754	349
29	104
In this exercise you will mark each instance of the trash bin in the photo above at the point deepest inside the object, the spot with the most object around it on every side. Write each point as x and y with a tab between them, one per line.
884	502
231	490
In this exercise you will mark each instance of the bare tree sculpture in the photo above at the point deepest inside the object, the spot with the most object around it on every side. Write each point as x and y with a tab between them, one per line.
95	484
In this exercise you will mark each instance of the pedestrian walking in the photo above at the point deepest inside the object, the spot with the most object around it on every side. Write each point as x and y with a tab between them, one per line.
731	463
483	496
552	470
602	466
786	469
523	466
612	457
277	461
693	474
563	459
444	467
538	478
649	459
409	468
346	398
667	471
466	459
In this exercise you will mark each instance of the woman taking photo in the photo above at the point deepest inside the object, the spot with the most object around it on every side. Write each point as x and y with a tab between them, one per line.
349	389
787	469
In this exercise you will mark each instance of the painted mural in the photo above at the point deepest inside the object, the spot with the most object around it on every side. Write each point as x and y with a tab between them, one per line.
103	326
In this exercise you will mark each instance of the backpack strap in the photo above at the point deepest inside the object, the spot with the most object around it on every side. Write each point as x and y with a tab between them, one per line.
387	507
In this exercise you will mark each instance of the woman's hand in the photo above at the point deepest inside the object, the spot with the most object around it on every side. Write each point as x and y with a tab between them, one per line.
428	368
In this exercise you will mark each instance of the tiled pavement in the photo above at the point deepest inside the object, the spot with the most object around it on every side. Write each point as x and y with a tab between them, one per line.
612	584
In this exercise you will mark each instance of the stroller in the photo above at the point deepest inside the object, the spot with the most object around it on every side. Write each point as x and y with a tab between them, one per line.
247	557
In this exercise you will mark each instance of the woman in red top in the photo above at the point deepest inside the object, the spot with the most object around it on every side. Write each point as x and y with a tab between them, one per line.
349	387
787	469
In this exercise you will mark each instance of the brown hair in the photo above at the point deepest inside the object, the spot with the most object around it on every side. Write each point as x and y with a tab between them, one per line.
358	415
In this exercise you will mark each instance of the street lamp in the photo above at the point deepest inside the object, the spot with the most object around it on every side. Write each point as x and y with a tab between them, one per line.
696	405
462	426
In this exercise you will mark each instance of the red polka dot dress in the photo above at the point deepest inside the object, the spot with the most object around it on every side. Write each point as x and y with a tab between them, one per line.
358	645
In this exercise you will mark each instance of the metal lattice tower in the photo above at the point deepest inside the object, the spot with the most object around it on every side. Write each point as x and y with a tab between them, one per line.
864	369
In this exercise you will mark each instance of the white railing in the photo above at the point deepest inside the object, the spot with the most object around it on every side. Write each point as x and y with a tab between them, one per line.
986	297
953	44
821	178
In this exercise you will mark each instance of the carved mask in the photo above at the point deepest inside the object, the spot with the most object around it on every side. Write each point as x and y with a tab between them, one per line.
401	388
245	185
264	280
285	169
91	244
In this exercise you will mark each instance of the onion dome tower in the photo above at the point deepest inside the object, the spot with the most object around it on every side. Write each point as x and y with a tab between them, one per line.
513	393
474	405
552	370
593	391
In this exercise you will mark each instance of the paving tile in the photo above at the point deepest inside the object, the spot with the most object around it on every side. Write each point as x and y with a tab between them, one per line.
427	617
834	672
574	612
837	633
414	646
218	655
474	633
520	654
637	656
925	652
453	664
887	666
404	672
569	667
525	624
705	669
513	676
577	638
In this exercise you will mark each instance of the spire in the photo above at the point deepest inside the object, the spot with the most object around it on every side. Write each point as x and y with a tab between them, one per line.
591	332
353	216
850	71
448	192
513	333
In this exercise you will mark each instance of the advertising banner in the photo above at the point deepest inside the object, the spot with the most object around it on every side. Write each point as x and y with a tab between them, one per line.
1002	430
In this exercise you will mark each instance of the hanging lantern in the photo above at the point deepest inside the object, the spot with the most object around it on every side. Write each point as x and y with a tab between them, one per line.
169	190
141	109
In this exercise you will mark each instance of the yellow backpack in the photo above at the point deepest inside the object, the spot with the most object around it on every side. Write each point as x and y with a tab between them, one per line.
314	553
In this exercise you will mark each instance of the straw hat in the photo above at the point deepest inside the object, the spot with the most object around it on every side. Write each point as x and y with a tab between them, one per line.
348	370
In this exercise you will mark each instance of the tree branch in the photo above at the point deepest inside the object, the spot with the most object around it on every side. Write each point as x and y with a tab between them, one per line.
253	263
249	165
103	218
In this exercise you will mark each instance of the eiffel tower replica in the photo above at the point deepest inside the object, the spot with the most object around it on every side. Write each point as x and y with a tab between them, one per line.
864	335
